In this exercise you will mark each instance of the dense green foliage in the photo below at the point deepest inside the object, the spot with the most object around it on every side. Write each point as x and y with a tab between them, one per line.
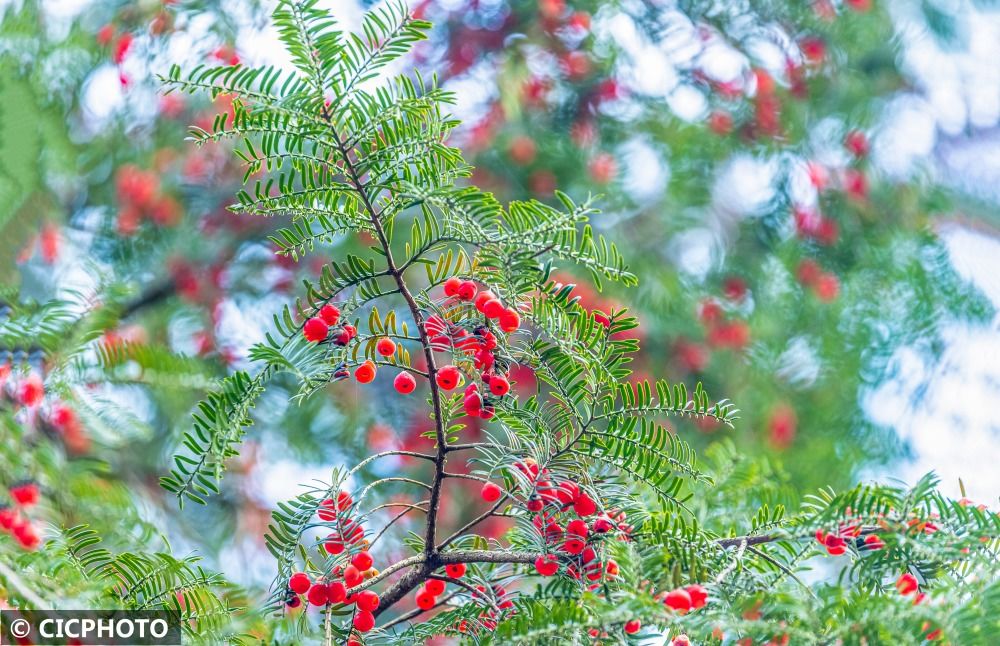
352	184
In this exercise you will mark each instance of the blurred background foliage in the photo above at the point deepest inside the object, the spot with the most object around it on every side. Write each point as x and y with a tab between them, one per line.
787	239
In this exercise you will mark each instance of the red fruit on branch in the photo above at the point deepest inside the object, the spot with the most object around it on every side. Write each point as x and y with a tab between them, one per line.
434	586
25	494
467	290
678	600
330	314
365	373
315	330
336	592
404	383
352	576
299	583
317	594
364	621
510	320
385	347
447	377
491	492
633	626
584	505
547	565
499	386
425	600
368	601
698	594
451	287
362	560
578	527
907	584
493	309
455	570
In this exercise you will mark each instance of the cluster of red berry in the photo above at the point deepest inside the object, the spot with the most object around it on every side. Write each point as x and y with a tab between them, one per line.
428	593
685	599
720	332
479	343
836	542
13	519
140	197
28	391
356	568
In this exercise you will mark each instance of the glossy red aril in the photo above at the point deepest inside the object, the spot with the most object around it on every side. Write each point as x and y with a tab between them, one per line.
336	592
510	320
25	494
368	601
493	309
567	493
386	347
455	570
352	576
584	505
698	594
315	330
547	565
365	373
447	377
404	383
425	600
578	527
499	386
491	492
451	286
317	594
907	584
299	583
467	290
482	298
535	504
362	560
678	600
434	586
632	627
364	621
574	545
330	314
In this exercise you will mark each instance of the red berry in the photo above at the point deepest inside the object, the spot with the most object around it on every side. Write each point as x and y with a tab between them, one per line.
451	286
299	583
385	347
491	492
434	586
510	320
467	290
482	298
404	383
493	309
330	314
678	600
447	377
698	594
632	627
499	386
317	594
574	545
425	600
368	601
333	544
352	576
336	592
578	528
315	330
535	504
455	570
364	621
351	330
294	601
365	373
567	492
907	584
857	143
25	494
547	565
362	560
584	505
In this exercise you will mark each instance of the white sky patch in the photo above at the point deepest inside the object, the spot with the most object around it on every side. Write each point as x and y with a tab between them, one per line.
745	185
